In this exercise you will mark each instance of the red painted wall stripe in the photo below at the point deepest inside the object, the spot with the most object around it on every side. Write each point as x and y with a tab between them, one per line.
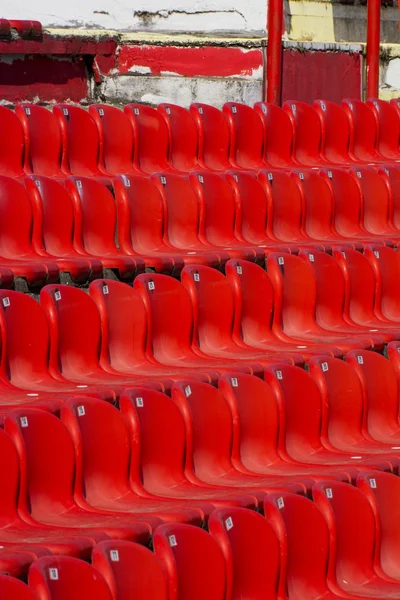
209	61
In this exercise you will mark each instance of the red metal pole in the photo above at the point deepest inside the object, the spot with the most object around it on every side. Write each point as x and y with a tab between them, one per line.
373	47
274	51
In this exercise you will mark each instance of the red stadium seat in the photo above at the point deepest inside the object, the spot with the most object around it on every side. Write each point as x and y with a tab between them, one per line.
363	132
214	139
13	589
45	448
53	229
391	176
12	152
81	142
193	562
278	136
386	265
95	216
157	466
150	139
43	144
307	133
183	137
335	132
63	578
388	128
246	136
352	530
116	139
251	551
130	570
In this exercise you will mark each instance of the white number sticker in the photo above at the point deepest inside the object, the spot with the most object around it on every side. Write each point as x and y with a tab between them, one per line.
57	295
105	289
151	285
311	257
139	402
196	276
329	493
6	301
81	411
24	421
172	541
372	483
360	360
324	366
188	391
279	375
229	523
234	382
53	574
114	555
101	112
65	112
280	503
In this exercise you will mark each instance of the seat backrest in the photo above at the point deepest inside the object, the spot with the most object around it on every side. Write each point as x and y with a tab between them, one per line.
256	417
347	202
25	338
342	400
254	300
74	329
376	200
304	541
53	215
130	570
46	455
217	207
213	305
81	142
169	314
392	175
307	132
12	589
381	391
43	145
383	492
363	129
295	292
183	136
9	464
388	127
12	152
246	135
251	551
193	562
154	420
209	428
115	137
352	531
16	219
123	323
285	206
335	131
182	209
150	138
102	448
213	131
278	134
330	287
301	420
318	204
386	264
63	578
251	206
95	215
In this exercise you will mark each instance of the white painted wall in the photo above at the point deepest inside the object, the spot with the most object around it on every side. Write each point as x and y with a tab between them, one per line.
150	15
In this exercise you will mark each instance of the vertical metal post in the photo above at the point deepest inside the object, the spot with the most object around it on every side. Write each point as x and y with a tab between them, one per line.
373	47
274	51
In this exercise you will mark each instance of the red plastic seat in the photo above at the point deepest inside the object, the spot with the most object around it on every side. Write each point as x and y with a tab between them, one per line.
304	545
381	396
391	176
115	138
359	306
157	467
335	133
53	229
80	141
95	216
150	139
13	589
363	132
386	265
183	137
43	145
63	578
11	152
209	436
218	215
141	224
102	465
75	334
16	240
254	306
193	562
182	220
26	28
352	532
214	139
295	294
388	128
214	311
130	570
46	492
278	135
307	133
246	136
252	554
